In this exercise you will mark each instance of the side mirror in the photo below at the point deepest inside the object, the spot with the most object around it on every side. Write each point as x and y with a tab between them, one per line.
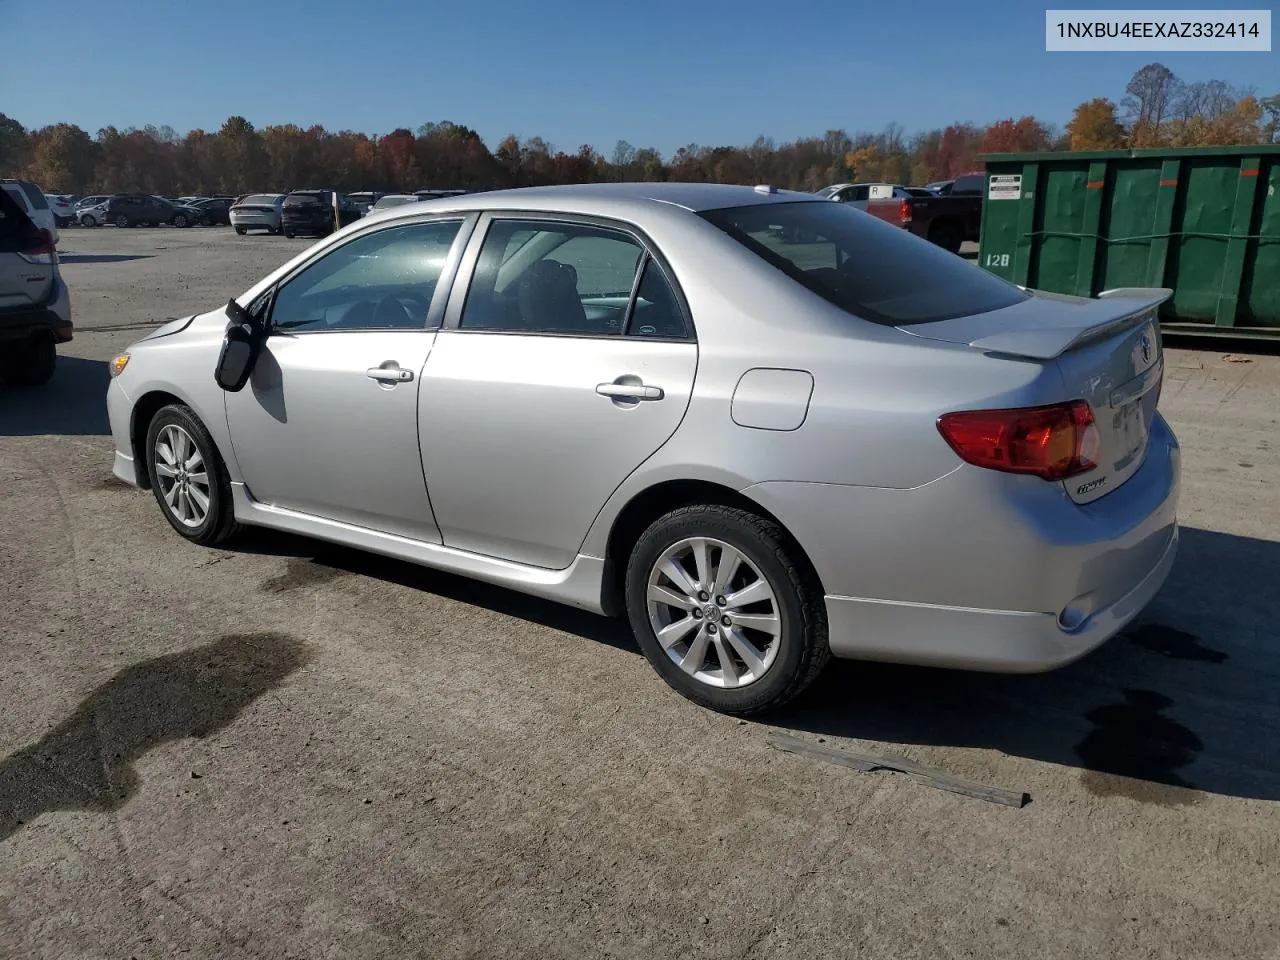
240	348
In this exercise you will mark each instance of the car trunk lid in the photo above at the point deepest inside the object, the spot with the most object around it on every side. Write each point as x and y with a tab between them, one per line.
1108	351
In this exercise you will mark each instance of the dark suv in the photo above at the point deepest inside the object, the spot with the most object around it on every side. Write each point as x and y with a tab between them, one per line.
311	212
138	209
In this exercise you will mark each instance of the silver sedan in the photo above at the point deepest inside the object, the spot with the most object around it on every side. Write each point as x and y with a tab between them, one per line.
653	400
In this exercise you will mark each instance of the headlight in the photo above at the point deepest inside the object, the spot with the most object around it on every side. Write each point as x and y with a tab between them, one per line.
118	364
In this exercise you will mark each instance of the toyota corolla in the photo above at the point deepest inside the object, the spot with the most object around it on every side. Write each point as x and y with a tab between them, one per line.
640	399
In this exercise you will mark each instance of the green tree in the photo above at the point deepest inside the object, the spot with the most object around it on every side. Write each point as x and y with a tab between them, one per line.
14	148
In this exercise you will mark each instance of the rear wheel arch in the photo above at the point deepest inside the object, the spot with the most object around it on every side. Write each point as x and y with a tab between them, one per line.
656	501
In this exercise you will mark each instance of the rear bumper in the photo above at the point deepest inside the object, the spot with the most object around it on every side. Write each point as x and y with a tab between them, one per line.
53	316
983	570
307	224
1001	641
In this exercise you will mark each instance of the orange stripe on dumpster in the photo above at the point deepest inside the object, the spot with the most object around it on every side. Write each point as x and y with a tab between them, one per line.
1095	184
1249	173
1168	183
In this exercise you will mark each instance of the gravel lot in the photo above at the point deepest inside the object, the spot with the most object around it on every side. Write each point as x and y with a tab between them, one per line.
289	749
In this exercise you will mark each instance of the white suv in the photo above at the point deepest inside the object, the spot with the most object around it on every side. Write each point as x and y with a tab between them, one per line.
35	307
34	203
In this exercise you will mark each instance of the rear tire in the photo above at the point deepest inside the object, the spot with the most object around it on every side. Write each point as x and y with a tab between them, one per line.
191	474
123	222
88	221
241	231
769	660
30	364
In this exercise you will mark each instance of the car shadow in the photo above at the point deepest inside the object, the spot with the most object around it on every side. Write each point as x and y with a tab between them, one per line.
1184	698
73	403
86	762
101	257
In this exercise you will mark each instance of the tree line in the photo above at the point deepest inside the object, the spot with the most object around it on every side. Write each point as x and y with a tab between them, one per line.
1157	109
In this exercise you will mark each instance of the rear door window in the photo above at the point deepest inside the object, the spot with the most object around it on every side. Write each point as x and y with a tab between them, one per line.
553	277
863	265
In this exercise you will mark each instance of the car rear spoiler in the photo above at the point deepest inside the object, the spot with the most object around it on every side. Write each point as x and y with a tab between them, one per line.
1134	304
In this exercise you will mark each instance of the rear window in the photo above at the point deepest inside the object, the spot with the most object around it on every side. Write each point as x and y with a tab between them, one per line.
863	265
262	199
971	184
306	200
34	194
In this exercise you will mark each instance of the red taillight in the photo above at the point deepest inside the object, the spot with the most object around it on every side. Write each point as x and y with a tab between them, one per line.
1052	443
904	211
37	245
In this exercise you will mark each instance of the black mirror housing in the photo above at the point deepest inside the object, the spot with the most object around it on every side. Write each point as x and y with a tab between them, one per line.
240	348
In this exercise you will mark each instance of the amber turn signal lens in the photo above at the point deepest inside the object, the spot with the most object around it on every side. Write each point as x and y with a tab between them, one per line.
118	364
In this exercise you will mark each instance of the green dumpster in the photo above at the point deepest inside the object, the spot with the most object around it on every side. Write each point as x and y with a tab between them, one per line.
1204	222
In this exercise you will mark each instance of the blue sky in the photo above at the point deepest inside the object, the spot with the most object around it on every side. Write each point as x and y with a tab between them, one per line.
657	73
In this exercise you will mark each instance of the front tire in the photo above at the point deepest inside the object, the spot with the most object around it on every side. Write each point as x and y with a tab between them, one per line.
726	609
188	477
88	221
180	221
241	231
122	222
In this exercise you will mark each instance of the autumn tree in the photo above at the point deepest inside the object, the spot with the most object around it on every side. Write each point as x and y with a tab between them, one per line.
1271	129
1024	135
1094	126
1150	95
62	157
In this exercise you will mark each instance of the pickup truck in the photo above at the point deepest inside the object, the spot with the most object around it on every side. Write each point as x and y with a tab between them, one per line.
945	219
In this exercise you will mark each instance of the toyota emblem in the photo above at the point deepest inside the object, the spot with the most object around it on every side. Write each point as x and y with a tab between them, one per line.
1146	348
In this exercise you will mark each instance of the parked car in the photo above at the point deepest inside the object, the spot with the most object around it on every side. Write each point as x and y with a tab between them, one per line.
257	211
34	204
364	200
389	200
186	215
94	215
213	211
311	212
62	208
763	454
137	209
35	305
945	219
858	194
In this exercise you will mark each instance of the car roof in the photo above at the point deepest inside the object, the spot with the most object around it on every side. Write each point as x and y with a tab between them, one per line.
613	198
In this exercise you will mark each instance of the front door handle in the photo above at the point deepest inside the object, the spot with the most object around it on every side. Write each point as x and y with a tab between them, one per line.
392	373
629	391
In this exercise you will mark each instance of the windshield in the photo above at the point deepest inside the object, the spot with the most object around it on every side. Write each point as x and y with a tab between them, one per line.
863	265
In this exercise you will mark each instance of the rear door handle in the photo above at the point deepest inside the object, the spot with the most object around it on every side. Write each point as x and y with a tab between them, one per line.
629	391
391	374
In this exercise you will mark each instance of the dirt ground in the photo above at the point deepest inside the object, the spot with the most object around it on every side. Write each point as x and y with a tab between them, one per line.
288	749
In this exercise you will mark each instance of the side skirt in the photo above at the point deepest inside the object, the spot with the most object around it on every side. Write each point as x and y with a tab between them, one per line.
578	585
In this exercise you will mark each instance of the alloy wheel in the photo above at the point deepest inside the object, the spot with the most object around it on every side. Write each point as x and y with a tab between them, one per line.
714	612
182	475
